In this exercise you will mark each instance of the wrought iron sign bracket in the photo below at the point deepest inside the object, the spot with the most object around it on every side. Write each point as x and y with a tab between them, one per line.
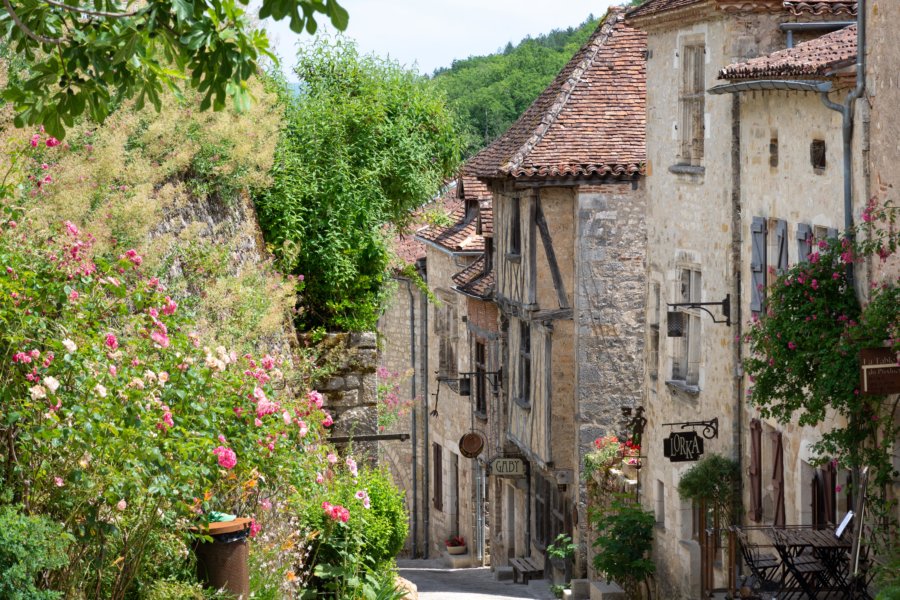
464	381
710	428
725	305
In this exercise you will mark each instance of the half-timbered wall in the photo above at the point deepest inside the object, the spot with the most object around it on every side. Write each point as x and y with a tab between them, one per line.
515	269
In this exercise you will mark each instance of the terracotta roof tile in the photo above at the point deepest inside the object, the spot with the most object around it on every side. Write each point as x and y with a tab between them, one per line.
406	246
473	281
465	234
821	7
652	7
589	122
816	58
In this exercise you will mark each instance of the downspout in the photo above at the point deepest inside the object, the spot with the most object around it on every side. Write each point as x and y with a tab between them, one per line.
528	509
846	109
737	348
426	476
415	425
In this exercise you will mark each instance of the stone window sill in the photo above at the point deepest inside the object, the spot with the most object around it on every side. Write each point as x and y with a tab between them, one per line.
682	169
679	385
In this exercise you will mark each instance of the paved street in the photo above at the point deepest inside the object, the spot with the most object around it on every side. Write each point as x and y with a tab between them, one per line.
438	583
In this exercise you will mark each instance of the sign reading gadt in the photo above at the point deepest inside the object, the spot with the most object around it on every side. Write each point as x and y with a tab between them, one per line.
508	467
683	446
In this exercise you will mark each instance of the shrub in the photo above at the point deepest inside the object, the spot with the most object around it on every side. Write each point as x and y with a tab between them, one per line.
365	142
624	541
30	547
716	480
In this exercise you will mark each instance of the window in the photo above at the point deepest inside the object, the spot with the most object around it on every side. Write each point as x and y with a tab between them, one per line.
480	378
778	252
515	227
653	345
438	499
817	154
686	359
692	103
446	329
550	511
524	391
660	503
773	150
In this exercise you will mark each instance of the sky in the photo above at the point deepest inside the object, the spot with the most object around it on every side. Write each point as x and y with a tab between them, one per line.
429	34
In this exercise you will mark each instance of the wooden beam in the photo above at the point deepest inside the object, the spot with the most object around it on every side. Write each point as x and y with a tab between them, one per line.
548	250
562	314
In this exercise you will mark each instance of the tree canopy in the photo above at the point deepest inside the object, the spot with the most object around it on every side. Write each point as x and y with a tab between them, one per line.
490	92
90	55
364	143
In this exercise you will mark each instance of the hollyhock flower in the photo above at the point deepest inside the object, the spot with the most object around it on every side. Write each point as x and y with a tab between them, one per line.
332	458
37	392
58	481
303	428
287	417
52	384
111	342
257	422
320	478
351	466
227	457
167	422
258	394
327	421
52	141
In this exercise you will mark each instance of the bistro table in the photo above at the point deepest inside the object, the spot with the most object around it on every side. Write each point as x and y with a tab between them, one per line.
817	558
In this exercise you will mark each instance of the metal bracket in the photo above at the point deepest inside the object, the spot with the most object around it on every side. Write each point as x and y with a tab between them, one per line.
710	428
725	305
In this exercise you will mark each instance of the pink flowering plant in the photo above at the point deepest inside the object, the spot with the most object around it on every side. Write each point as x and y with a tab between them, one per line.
390	403
116	420
804	348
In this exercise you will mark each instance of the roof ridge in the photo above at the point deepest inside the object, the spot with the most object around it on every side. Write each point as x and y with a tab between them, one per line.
598	39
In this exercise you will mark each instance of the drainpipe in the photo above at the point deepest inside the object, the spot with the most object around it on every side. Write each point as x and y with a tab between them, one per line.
426	476
528	509
846	110
415	425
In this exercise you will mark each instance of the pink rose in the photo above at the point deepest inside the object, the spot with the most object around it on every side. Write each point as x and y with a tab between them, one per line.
121	505
52	141
111	342
227	457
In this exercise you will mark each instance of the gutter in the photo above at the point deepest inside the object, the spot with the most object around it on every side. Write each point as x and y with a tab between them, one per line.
415	424
426	475
820	87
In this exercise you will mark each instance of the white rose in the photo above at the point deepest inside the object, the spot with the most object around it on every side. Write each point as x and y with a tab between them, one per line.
52	384
37	392
101	391
70	345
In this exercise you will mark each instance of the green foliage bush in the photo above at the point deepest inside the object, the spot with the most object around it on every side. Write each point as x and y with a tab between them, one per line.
30	547
364	143
714	479
624	540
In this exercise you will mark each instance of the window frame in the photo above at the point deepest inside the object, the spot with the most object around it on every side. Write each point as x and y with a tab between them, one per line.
514	239
523	384
686	351
480	363
692	102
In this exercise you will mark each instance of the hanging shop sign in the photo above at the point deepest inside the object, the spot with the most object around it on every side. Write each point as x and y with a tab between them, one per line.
471	444
683	446
508	467
879	371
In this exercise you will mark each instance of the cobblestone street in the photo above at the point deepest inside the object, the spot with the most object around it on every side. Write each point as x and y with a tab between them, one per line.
436	582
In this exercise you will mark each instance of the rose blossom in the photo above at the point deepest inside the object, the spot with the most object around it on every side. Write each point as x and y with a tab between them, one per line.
52	383
227	457
69	345
111	342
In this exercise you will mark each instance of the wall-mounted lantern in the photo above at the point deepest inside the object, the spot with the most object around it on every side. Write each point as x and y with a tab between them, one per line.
675	318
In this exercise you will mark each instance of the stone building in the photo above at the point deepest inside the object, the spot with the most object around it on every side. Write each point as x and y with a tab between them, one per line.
568	283
740	181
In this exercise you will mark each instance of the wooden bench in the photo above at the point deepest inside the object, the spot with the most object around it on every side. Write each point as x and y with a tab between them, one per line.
527	568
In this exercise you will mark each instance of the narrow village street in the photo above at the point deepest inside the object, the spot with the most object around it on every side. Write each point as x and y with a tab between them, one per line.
436	582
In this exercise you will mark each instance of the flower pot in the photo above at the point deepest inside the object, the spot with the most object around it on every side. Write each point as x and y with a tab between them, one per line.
222	563
455	550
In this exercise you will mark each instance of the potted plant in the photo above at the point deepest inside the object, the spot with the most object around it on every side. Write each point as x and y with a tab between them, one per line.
456	545
560	553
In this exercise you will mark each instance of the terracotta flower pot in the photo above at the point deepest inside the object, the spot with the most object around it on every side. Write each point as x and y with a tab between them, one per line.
456	550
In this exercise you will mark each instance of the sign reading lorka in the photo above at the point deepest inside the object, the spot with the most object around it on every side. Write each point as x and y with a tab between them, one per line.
508	467
683	446
879	371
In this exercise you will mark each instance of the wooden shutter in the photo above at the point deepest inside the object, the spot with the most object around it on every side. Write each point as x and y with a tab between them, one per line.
755	470
778	478
781	243
829	475
804	241
758	264
438	477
